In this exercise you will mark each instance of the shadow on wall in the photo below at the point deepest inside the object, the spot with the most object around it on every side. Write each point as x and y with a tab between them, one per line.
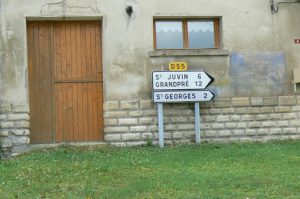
258	73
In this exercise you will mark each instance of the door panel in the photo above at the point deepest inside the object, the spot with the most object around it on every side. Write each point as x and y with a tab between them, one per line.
40	81
71	82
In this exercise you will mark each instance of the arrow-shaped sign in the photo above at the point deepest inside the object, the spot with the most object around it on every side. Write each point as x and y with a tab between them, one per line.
182	96
189	80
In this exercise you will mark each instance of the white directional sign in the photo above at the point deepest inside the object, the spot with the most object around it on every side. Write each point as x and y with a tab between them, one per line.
189	80
182	96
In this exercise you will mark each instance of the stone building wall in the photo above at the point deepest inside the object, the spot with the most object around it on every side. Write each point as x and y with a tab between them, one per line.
134	122
226	119
14	127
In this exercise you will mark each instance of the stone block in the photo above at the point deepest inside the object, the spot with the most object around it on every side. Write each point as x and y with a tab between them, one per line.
266	110
262	117
135	143
22	124
295	123
282	109
262	131
298	100
146	104
20	108
250	132
187	112
204	126
254	110
150	112
217	126
230	125
181	105
222	118
271	101
6	125
241	125
240	101
147	121
135	113
244	110
117	129
170	127
2	117
179	119
222	103
282	123
131	137
289	116
275	131
172	112
238	132
20	116
214	111
115	114
112	137
138	129
211	133
110	122
287	100
247	117
235	118
209	118
204	111
147	136
224	133
270	124
186	127
111	106
128	121
129	105
189	134
291	130
4	133
257	101
153	128
296	108
228	110
5	108
254	125
192	119
275	116
19	132
177	135
20	140
5	143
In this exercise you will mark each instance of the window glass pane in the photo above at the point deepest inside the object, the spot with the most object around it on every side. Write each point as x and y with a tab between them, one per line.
169	34
201	34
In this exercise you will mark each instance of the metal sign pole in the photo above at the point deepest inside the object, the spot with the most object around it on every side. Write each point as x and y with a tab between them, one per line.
160	107
197	122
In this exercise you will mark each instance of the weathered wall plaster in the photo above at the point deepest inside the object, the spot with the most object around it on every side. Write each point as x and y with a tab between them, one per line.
247	26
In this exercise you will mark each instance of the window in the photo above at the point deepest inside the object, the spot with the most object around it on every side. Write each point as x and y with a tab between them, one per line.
186	34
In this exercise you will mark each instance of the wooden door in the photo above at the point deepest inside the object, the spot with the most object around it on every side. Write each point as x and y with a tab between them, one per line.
74	76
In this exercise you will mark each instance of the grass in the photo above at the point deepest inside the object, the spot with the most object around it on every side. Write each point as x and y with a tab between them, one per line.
251	170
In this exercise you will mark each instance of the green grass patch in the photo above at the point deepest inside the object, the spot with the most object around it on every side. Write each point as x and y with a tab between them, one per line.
248	170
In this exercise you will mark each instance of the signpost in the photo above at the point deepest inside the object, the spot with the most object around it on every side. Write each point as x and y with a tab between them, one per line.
180	87
182	96
189	80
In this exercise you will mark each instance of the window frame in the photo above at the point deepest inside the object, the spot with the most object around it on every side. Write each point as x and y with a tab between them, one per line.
185	33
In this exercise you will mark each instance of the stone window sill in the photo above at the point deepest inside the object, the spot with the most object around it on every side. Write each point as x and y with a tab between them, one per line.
187	52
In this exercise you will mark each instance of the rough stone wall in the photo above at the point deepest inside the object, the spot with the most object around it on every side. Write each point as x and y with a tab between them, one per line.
226	119
14	128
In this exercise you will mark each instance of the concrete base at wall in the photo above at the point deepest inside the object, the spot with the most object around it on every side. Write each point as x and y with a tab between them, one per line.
134	122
